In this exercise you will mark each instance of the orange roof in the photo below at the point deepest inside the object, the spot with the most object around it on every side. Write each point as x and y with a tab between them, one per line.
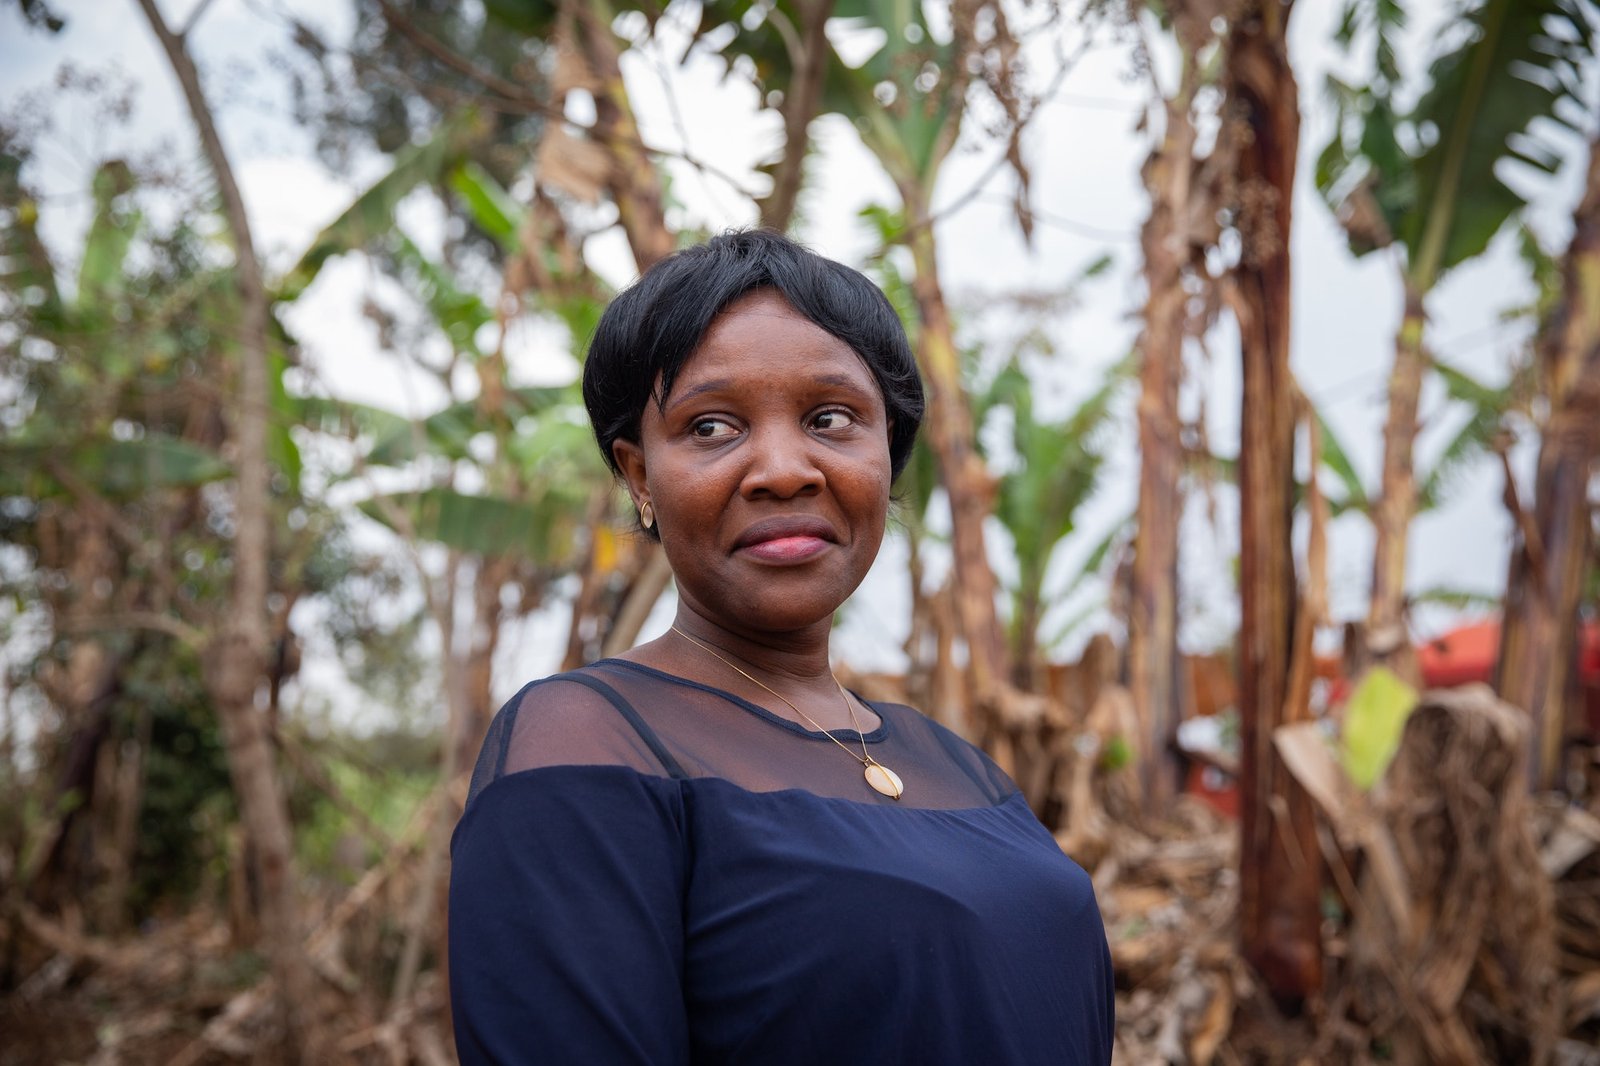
1469	653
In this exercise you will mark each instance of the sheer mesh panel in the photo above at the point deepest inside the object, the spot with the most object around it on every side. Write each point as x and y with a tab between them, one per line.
567	720
617	713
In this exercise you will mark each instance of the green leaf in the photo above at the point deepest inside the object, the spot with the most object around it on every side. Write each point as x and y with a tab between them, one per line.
1430	174
1545	270
1058	467
1097	266
372	215
493	209
447	432
1336	459
117	469
489	526
1374	718
100	275
282	451
460	314
1118	753
25	266
556	448
1488	407
1460	599
529	18
1516	66
394	440
346	420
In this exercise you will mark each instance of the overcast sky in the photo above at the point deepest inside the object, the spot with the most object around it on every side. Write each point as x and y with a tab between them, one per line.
1085	150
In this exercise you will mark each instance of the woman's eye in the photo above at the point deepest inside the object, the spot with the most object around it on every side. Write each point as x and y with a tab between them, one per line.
833	420
711	429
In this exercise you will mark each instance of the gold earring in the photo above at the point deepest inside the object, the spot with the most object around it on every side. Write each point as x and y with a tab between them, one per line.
647	515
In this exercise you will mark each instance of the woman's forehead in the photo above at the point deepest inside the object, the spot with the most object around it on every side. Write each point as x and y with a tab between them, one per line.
761	338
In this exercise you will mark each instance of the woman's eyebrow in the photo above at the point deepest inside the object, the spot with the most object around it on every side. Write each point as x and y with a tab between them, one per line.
843	381
840	381
677	397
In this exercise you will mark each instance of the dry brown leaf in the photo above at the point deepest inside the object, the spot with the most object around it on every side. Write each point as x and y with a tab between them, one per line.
1572	840
571	71
1212	1027
577	167
1583	999
1131	900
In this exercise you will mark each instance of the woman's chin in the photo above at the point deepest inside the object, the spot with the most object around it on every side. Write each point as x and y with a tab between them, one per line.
773	614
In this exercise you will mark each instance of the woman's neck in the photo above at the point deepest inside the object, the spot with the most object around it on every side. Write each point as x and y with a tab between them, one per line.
793	667
790	658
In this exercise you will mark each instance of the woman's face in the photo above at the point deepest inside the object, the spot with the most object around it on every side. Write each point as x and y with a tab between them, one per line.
768	470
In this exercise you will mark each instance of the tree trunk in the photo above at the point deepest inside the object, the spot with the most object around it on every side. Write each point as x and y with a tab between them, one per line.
236	660
1387	640
478	706
1538	663
1279	879
966	480
633	183
1027	661
651	578
808	63
85	690
635	187
1153	613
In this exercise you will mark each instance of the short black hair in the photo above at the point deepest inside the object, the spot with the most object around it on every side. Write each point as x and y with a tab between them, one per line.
652	328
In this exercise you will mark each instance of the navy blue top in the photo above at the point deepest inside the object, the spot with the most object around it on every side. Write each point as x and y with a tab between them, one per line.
614	901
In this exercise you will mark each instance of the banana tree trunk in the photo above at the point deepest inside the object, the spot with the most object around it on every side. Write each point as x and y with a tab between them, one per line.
1153	612
1539	639
236	660
1027	663
1279	882
1387	640
966	480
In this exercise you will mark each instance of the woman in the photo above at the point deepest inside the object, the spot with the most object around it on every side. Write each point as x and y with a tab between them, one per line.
706	850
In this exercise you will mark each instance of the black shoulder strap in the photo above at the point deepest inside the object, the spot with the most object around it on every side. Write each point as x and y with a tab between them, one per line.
624	708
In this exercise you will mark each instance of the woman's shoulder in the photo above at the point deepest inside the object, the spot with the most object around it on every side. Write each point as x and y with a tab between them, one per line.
571	718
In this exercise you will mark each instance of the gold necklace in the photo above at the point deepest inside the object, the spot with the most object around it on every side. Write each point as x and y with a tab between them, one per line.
879	777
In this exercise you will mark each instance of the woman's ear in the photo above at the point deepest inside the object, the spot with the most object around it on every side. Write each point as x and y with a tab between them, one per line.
630	461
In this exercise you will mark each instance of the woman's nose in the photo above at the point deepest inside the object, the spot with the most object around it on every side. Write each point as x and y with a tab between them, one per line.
780	464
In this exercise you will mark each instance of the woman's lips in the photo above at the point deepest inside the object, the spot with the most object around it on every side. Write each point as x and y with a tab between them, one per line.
786	538
786	549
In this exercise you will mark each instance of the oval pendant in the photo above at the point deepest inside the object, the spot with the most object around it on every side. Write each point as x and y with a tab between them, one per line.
884	780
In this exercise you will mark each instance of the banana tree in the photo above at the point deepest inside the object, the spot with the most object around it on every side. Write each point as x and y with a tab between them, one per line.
1424	181
500	481
908	100
1057	468
1486	409
495	476
1279	890
1554	545
1184	205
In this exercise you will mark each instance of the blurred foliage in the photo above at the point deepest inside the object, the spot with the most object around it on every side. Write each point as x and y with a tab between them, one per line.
387	784
187	798
390	86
